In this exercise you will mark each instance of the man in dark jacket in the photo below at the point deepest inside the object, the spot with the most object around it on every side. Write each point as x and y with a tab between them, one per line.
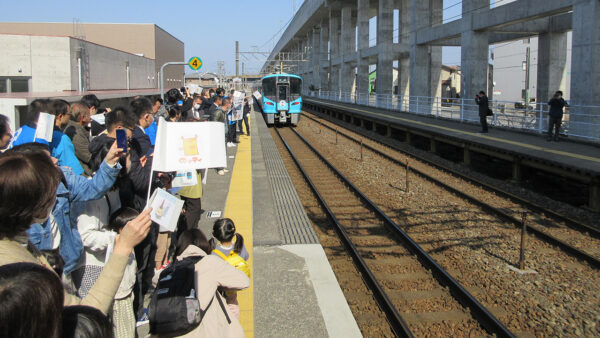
482	101
557	103
217	101
140	143
206	102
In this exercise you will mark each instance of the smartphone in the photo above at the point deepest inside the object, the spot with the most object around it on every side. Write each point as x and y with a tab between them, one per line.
122	139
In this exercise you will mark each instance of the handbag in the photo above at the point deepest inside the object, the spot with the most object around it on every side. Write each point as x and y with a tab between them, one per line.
490	112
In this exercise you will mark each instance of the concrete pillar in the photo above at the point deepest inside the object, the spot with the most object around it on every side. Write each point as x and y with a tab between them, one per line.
585	66
425	61
324	55
474	57
348	26
435	52
552	65
307	56
334	48
316	58
385	27
362	67
404	38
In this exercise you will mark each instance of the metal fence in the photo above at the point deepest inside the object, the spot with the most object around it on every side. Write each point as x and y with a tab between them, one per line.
578	121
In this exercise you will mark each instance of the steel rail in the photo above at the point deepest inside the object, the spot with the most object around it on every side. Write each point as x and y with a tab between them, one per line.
397	324
570	222
573	251
485	318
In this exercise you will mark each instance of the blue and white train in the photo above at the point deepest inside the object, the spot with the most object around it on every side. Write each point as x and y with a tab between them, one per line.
281	99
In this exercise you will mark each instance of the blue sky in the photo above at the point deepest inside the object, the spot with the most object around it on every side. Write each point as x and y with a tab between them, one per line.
209	29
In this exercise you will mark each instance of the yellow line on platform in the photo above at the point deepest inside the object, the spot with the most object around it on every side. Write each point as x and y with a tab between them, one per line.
239	208
520	144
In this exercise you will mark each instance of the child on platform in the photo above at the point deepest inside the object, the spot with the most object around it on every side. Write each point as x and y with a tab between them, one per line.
234	253
122	315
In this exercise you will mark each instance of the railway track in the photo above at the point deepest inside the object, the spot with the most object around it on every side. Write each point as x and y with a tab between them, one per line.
410	287
573	237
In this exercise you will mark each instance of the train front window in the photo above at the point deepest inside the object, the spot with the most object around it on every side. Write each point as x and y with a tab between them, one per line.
268	86
295	86
282	92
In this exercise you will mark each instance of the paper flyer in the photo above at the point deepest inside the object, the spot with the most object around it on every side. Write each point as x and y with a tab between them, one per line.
166	209
45	127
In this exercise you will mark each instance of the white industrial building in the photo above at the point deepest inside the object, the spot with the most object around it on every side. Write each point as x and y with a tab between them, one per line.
37	63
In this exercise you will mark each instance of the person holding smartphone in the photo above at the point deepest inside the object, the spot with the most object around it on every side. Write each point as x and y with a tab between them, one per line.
557	104
482	101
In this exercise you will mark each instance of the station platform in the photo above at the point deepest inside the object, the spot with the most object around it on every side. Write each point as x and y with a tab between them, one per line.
579	161
293	291
579	156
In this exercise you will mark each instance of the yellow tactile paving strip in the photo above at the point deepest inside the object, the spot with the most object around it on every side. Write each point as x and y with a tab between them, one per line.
238	207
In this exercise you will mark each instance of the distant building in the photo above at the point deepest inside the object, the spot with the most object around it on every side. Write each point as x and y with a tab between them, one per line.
147	41
450	81
509	69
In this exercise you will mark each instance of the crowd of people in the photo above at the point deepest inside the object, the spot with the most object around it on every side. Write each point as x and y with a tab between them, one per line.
79	253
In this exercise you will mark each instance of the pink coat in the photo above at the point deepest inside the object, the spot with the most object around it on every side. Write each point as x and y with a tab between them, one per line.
212	272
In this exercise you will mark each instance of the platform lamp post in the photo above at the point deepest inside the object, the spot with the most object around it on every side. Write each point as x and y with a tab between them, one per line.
162	76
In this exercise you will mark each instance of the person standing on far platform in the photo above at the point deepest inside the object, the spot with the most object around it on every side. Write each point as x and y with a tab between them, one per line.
556	103
482	100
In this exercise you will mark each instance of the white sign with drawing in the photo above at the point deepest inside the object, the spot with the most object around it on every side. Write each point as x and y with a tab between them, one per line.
183	146
165	210
238	105
45	127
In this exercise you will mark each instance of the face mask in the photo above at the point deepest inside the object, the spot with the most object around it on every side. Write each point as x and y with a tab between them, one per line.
197	106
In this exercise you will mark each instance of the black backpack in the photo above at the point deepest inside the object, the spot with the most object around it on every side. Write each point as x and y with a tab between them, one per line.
174	309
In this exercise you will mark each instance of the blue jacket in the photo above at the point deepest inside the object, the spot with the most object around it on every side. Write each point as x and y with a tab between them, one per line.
25	134
61	146
151	132
230	117
70	195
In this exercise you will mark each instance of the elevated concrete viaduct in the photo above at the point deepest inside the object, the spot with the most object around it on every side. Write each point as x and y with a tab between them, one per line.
332	38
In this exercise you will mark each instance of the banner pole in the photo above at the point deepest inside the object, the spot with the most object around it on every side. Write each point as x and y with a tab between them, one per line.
156	148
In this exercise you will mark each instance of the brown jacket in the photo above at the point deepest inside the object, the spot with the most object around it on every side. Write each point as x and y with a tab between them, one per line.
102	293
81	141
212	272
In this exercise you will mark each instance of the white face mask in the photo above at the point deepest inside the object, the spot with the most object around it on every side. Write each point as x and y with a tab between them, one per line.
197	106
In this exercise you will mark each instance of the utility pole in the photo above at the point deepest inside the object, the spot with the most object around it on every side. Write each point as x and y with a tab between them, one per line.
220	65
243	73
237	58
527	64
